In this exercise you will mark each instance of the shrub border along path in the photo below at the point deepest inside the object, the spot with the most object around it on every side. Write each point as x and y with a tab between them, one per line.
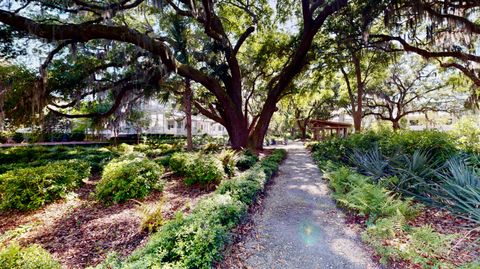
197	241
299	225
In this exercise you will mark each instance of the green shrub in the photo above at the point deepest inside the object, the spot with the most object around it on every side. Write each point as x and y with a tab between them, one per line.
34	256
31	188
33	156
129	177
212	147
374	201
371	163
247	186
467	134
228	159
459	190
244	187
197	168
246	160
205	169
18	137
3	137
97	158
163	160
178	162
342	179
440	145
357	193
142	148
197	241
125	148
77	135
192	242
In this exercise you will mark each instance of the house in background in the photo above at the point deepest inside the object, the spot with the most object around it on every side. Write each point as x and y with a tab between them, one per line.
162	119
441	121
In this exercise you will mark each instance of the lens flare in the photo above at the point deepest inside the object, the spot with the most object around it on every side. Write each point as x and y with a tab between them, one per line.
309	232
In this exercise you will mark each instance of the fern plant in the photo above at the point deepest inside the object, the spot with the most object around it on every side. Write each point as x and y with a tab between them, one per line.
152	217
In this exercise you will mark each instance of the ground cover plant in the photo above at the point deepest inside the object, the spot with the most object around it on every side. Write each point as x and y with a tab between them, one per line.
16	257
31	156
196	241
131	172
426	165
31	188
378	175
246	160
388	219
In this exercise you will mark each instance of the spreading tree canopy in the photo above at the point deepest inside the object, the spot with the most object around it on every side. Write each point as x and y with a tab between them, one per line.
241	56
216	48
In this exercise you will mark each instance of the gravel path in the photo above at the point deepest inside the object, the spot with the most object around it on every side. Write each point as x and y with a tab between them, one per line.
300	226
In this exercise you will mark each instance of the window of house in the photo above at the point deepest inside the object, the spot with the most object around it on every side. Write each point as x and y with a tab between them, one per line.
449	121
171	125
414	122
179	124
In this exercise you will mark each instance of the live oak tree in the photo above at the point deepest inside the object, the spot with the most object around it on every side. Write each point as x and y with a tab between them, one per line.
221	29
314	96
359	64
412	86
446	32
15	88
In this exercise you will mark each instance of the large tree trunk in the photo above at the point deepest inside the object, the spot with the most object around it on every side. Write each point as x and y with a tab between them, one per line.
357	121
187	96
358	114
396	125
256	137
238	133
302	125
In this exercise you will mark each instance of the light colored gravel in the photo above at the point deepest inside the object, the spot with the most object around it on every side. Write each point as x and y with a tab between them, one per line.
300	226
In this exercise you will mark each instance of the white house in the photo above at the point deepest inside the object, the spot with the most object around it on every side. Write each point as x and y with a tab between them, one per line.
164	120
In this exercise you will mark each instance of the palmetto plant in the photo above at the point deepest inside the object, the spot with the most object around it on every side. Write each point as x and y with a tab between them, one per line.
371	163
415	172
459	189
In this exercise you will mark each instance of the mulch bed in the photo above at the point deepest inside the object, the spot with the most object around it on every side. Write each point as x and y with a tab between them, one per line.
466	248
82	233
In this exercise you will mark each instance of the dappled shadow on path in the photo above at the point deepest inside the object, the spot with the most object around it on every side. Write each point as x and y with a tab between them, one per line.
300	226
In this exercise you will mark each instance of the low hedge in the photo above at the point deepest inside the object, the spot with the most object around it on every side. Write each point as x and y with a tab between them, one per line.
130	176
197	241
246	160
31	188
439	144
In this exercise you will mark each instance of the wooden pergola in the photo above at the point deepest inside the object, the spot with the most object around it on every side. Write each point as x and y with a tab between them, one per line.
321	128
